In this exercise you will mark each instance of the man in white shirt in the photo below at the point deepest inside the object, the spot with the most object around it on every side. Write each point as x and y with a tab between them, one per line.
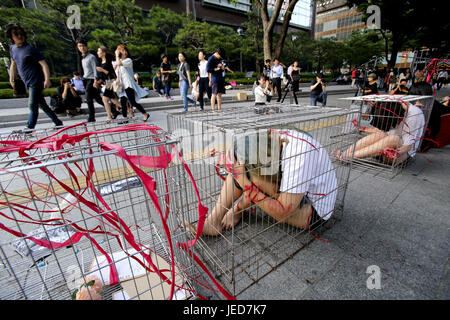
277	74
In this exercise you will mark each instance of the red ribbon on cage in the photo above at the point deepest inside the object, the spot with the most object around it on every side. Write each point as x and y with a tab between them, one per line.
154	162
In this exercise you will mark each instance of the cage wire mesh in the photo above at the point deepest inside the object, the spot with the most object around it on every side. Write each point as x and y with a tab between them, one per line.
242	246
388	125
77	222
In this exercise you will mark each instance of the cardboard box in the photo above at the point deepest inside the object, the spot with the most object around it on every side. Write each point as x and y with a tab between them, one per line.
242	96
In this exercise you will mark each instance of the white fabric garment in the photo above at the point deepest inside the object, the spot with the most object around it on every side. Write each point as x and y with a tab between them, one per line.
411	128
126	76
259	95
202	69
306	168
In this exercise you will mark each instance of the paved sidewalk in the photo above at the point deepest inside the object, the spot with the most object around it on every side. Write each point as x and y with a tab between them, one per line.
14	112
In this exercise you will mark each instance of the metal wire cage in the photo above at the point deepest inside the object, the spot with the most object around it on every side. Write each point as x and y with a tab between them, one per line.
389	124
78	221
240	246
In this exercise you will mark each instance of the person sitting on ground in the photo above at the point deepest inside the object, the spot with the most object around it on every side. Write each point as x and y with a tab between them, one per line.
69	100
371	87
397	125
262	91
157	84
298	187
318	91
77	84
401	88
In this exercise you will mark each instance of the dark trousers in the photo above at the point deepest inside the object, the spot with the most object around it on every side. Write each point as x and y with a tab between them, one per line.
277	84
203	86
91	95
130	96
36	99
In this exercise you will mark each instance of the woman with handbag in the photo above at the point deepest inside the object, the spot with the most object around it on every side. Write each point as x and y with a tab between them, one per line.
106	73
126	87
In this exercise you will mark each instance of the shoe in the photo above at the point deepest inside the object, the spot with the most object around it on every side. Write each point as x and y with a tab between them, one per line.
59	127
90	120
124	121
170	98
184	111
148	117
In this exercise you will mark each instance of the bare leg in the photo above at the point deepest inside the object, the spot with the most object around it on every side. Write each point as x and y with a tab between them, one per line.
364	143
373	149
219	101
107	105
213	102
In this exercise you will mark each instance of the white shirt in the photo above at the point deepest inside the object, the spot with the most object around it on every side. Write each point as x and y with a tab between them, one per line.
202	69
126	63
278	71
307	169
259	94
411	128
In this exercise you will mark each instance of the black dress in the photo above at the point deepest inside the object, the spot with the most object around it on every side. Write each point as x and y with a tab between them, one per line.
295	74
108	78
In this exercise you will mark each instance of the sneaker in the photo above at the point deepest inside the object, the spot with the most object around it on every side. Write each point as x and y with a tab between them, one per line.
197	103
170	98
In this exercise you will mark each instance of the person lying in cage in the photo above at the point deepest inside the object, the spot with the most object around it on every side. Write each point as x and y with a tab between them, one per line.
285	173
395	136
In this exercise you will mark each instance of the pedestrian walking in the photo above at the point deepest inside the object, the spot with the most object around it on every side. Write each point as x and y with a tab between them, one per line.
34	72
130	91
107	74
90	79
185	83
295	79
205	79
216	68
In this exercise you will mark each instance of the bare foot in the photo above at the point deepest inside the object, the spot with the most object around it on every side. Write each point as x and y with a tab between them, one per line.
231	218
209	229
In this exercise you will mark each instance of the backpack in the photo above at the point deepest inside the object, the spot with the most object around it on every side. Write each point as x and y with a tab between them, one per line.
56	104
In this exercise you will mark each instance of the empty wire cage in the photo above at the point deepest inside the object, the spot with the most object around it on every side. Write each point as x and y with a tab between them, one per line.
251	228
392	129
84	215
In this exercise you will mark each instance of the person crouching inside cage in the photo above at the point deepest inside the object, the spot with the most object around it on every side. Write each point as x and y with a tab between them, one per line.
395	135
289	176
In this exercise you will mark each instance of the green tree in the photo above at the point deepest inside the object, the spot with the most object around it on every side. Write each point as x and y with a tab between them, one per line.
402	22
363	45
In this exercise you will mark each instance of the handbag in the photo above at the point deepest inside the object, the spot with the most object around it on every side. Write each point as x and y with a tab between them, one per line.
117	87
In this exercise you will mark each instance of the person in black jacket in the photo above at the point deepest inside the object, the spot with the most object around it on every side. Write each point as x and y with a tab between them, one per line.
69	101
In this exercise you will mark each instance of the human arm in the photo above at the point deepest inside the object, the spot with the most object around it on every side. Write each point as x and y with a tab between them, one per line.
46	71
312	87
12	74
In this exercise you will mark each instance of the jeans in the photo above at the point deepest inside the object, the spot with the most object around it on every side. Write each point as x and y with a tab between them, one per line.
322	97
36	99
277	84
184	87
167	89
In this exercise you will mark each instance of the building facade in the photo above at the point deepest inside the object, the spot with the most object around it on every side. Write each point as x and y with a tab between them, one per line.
335	19
232	13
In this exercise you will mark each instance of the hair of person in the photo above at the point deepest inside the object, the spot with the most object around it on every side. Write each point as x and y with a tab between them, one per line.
202	51
276	59
64	80
267	60
82	41
387	114
220	51
259	77
183	54
10	28
123	47
247	143
75	73
108	53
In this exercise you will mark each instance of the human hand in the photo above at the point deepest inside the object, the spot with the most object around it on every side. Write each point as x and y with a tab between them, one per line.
47	83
